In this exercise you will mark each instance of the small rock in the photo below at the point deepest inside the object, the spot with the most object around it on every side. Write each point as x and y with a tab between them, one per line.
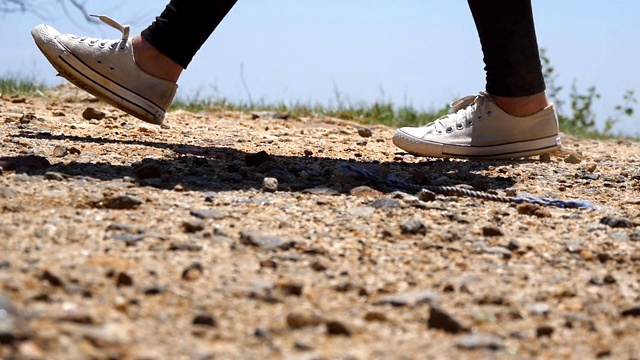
364	132
426	195
361	211
544	331
52	278
481	341
492	231
440	319
182	246
93	114
291	288
539	309
57	113
262	240
74	150
27	118
124	279
413	227
365	192
192	225
572	159
532	209
207	214
591	167
193	272
410	298
375	316
633	311
586	175
616	222
386	203
270	184
7	193
122	202
337	328
54	176
204	320
545	158
302	319
13	326
60	151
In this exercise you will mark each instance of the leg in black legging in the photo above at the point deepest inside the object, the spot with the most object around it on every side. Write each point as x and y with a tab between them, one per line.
184	26
510	47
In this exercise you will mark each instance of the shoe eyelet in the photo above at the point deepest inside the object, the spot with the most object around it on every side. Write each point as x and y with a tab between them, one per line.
111	68
479	117
470	123
99	61
459	126
449	130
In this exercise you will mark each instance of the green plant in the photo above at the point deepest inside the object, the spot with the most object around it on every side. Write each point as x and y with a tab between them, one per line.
11	84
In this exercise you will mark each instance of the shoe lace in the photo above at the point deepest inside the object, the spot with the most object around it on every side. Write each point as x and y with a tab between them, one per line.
124	29
466	110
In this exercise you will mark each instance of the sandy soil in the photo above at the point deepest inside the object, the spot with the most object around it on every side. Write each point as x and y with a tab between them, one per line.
229	236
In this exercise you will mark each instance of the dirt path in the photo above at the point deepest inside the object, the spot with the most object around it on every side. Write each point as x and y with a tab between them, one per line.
122	240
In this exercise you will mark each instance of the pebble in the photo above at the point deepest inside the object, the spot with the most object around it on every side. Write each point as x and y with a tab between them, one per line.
93	114
122	202
337	328
586	175
572	159
413	227
262	240
365	132
386	203
205	320
270	184
492	231
303	318
124	279
60	151
207	214
480	341
361	211
52	278
616	222
13	326
545	158
193	272
410	298
442	320
544	331
426	195
183	246
54	176
192	225
128	239
7	193
632	311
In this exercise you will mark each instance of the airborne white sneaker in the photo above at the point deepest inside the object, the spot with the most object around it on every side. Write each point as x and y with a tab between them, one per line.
107	69
479	129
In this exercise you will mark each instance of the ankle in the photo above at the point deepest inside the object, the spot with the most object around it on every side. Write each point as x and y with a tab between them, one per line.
153	62
522	106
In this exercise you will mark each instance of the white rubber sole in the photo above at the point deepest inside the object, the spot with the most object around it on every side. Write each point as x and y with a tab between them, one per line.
514	150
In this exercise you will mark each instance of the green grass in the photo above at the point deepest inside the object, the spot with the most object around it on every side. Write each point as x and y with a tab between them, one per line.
385	113
19	85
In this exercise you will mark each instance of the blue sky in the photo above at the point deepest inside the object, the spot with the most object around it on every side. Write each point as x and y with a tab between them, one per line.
416	52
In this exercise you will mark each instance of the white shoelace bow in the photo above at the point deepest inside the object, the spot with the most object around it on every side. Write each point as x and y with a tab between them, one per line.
466	111
124	29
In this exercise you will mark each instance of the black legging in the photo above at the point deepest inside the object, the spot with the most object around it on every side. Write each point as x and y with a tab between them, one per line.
505	27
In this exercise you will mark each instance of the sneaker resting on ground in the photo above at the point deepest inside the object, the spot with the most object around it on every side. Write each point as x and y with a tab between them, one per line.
479	129
107	70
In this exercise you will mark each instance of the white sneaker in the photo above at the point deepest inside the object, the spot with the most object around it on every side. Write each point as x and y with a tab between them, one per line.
107	69
479	129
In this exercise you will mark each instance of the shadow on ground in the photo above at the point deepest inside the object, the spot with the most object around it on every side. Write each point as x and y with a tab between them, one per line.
224	169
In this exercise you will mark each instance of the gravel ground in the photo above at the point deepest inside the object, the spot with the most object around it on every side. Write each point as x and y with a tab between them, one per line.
232	236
